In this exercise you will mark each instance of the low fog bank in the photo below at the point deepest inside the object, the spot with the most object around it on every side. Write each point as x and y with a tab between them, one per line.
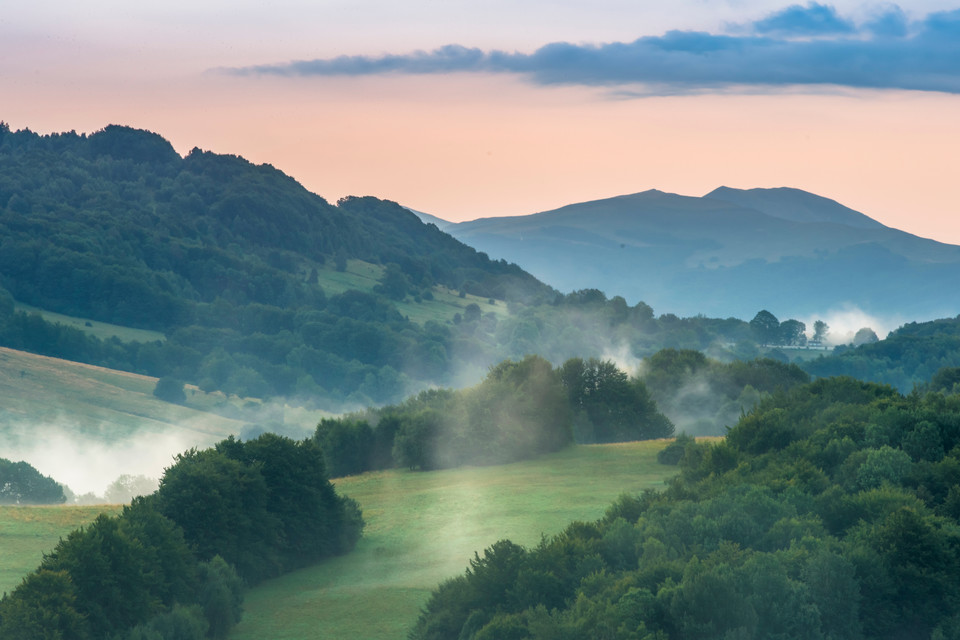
88	464
846	320
99	462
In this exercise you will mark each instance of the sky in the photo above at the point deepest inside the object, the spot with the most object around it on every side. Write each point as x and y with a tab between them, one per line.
467	109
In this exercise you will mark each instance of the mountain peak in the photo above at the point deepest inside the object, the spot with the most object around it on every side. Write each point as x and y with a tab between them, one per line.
796	205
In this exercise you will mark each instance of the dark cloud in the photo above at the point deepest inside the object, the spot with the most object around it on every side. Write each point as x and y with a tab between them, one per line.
891	23
812	20
809	45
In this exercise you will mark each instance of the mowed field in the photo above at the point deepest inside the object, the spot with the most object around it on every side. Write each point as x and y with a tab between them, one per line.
425	527
26	533
84	425
36	390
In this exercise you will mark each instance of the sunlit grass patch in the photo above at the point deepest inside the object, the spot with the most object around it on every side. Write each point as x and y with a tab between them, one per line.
424	527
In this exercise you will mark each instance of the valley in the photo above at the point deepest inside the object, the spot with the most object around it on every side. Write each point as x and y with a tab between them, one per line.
212	324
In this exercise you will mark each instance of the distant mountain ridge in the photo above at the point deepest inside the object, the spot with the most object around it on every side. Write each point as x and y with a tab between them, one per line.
728	253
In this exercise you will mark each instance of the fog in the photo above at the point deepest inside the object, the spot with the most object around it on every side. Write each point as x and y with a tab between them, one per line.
846	320
88	464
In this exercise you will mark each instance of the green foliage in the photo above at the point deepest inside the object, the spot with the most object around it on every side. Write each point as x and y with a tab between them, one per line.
702	395
216	253
793	527
766	327
674	452
170	389
520	410
43	606
265	504
220	596
21	483
615	407
907	357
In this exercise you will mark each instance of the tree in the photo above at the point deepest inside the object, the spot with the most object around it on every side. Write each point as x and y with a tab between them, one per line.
394	283
866	335
471	312
21	483
42	606
766	327
170	389
820	331
793	333
127	487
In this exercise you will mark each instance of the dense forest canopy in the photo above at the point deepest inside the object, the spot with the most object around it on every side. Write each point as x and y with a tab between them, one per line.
830	511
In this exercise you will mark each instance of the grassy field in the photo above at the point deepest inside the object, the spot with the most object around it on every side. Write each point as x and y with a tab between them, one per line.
84	425
26	533
424	527
364	276
102	330
37	390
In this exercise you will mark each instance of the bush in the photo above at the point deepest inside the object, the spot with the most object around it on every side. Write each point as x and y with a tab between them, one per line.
170	389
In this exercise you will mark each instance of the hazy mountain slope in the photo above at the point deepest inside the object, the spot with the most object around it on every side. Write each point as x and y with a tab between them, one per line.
794	204
716	256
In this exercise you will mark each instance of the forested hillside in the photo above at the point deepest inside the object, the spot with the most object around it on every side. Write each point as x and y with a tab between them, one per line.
831	511
908	357
264	289
223	257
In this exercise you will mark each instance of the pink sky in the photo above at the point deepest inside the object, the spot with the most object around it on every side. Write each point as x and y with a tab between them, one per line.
466	145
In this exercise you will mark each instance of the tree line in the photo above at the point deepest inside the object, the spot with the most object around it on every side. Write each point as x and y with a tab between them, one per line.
174	564
830	511
21	483
521	409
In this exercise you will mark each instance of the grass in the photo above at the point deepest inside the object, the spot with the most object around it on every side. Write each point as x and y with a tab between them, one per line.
102	330
424	527
26	533
364	276
37	390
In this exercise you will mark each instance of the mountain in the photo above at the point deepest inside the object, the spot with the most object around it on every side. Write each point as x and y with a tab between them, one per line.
729	253
241	281
426	218
260	287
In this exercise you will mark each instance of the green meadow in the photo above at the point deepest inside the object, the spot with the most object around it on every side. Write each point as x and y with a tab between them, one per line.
26	533
364	276
94	401
102	330
424	527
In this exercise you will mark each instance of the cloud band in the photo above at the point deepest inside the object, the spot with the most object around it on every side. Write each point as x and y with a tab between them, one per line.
809	45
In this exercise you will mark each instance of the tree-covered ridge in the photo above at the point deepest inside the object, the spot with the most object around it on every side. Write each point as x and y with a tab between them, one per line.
173	564
831	511
117	226
909	356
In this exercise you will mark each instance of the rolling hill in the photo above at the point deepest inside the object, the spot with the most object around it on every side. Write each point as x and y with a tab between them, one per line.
731	252
250	283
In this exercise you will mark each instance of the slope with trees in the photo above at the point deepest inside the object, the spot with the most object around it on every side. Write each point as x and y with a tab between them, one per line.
831	511
248	276
174	564
907	357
